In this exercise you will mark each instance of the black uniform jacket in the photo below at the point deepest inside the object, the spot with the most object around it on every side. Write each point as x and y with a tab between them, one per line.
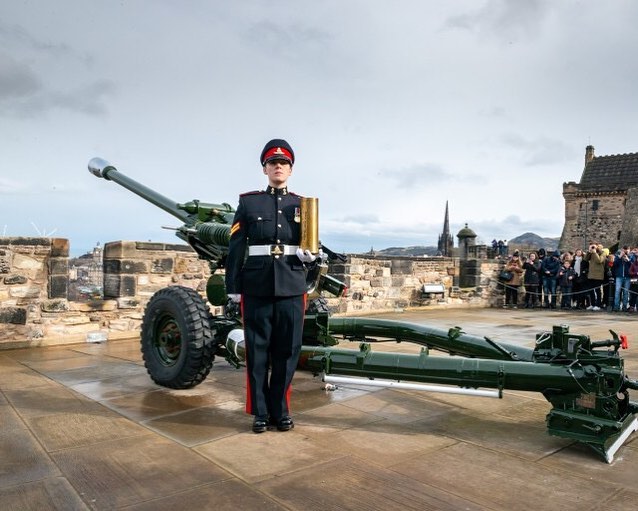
269	217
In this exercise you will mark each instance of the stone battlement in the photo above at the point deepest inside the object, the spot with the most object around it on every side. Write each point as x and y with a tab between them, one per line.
34	286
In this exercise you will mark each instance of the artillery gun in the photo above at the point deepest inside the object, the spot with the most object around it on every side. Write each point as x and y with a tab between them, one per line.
583	380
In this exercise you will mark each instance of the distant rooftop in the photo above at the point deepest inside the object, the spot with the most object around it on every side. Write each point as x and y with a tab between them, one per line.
613	173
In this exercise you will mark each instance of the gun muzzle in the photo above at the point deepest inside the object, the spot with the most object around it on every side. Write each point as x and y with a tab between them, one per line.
99	167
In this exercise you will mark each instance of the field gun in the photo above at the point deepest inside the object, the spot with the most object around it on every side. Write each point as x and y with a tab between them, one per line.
583	380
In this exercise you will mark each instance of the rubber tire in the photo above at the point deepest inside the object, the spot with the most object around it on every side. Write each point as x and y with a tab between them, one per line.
177	338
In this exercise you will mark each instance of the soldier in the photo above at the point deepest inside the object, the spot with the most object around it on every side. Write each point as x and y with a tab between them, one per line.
265	273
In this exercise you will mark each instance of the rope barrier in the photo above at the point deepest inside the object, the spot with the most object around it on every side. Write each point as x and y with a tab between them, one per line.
558	295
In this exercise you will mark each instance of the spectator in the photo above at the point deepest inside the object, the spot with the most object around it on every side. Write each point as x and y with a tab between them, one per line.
549	271
580	292
596	275
532	280
608	284
622	278
633	274
511	288
541	258
566	280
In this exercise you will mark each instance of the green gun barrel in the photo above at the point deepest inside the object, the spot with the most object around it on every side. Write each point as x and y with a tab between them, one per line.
102	168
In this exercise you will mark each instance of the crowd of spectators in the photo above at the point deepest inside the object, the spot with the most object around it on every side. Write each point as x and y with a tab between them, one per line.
592	280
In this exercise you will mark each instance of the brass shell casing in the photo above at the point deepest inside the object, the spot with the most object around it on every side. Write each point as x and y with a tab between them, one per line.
309	224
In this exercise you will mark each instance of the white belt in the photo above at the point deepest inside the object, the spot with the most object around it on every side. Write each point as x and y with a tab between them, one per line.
265	250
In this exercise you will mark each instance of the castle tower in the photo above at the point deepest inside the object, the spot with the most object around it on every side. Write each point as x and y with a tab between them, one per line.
446	242
603	206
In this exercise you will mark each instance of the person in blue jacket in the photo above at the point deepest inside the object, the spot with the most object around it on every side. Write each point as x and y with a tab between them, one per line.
622	277
549	272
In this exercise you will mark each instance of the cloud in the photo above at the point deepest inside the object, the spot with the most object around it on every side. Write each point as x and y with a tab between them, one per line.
425	174
539	151
14	188
16	79
294	42
40	80
87	99
16	35
504	20
11	187
365	218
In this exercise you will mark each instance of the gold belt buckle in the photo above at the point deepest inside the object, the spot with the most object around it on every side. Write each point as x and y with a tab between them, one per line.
276	250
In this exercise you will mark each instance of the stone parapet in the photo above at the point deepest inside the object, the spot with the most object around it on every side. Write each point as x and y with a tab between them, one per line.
34	282
32	272
35	310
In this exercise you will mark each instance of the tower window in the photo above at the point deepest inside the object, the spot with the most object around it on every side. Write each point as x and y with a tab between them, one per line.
594	205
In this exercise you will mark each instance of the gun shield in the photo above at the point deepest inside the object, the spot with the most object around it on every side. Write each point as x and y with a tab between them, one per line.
309	224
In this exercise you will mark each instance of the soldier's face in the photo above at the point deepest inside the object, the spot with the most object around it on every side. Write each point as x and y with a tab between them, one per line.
278	172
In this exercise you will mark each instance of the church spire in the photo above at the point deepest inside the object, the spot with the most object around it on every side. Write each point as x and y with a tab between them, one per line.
446	242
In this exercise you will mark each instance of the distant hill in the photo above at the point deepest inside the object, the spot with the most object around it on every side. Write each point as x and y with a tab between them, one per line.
418	251
527	241
534	241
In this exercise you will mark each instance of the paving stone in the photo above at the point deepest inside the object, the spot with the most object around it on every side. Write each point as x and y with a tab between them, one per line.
497	433
194	427
54	493
23	459
385	442
256	457
127	471
161	401
230	495
22	378
102	370
499	481
116	387
582	460
337	416
66	430
52	399
355	448
398	406
349	483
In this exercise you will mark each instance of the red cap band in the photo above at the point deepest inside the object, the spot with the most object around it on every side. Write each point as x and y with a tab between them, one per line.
277	153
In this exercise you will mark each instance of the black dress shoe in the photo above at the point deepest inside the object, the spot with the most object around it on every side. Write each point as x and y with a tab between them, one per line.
283	424
260	424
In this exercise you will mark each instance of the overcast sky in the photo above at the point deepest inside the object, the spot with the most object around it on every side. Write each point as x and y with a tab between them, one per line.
392	108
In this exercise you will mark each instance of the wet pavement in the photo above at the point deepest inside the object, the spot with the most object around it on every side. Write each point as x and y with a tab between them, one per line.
83	427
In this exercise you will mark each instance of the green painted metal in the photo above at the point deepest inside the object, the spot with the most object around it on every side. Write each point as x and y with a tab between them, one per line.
453	341
584	381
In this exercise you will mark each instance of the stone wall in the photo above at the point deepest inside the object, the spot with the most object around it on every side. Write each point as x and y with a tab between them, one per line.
594	217
35	310
33	284
34	307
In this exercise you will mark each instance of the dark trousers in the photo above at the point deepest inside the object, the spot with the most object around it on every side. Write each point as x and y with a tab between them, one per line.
581	293
531	294
633	292
566	296
549	290
595	293
511	295
273	328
